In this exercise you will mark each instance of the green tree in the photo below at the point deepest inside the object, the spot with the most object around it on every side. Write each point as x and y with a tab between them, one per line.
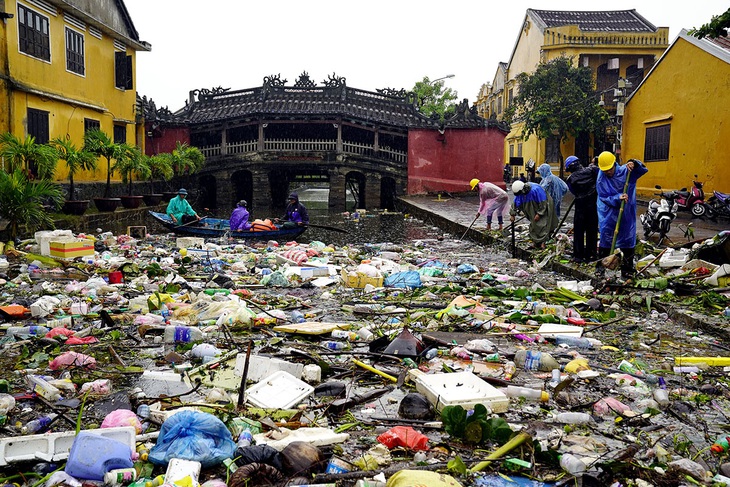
27	155
76	160
433	99
131	162
99	143
717	27
22	201
184	159
558	99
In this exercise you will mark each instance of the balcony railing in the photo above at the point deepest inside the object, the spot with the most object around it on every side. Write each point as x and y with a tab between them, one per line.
305	145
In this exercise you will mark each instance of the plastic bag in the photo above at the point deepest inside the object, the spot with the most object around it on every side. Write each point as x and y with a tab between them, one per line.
72	359
192	435
405	279
122	417
413	478
404	436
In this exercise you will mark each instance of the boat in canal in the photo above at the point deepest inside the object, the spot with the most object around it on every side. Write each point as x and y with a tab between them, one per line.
218	227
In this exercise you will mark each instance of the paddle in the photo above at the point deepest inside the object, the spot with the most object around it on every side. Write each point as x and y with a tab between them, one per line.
194	221
472	224
326	227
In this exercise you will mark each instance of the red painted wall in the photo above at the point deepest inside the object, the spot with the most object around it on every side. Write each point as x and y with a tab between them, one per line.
164	139
448	162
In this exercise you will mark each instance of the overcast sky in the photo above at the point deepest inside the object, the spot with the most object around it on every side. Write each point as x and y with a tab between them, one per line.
373	44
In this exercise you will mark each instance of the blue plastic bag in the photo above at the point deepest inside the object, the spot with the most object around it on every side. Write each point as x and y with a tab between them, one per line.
192	435
466	269
405	279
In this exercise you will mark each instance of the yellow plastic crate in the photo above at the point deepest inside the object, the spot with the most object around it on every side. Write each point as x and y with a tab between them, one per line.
360	280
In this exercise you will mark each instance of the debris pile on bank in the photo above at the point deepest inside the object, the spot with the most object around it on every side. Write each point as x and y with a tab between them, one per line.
429	363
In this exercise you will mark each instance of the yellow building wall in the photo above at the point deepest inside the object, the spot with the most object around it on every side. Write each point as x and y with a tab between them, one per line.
689	89
68	97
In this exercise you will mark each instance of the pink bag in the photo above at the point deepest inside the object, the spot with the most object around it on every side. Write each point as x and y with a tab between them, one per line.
72	359
404	436
122	417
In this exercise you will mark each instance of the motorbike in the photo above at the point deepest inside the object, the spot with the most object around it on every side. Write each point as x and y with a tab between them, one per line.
692	200
718	205
660	214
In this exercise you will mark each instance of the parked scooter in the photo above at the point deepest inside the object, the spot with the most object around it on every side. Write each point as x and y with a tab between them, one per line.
660	214
718	205
692	200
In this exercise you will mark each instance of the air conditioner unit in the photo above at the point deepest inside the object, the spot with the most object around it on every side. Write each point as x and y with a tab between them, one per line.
613	63
640	63
586	62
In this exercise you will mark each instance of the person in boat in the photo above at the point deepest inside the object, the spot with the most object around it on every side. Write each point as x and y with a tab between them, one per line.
239	218
180	210
295	213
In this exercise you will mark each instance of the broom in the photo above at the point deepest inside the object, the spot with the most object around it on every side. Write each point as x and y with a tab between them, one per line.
613	260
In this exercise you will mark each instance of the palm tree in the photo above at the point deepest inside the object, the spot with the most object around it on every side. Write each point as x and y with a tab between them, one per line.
27	155
76	160
131	161
99	143
185	159
22	201
160	168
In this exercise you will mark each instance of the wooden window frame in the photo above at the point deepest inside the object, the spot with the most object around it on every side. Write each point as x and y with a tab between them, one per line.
120	134
656	142
75	51
91	124
32	40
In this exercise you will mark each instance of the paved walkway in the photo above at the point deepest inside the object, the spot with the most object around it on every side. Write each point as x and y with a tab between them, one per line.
461	209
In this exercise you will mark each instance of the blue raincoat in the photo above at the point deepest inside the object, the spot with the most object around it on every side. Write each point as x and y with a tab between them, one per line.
609	203
553	185
536	202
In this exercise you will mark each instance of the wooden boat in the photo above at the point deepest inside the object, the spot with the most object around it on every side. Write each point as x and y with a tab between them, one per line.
217	227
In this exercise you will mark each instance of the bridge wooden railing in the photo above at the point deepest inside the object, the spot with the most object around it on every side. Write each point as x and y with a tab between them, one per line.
305	145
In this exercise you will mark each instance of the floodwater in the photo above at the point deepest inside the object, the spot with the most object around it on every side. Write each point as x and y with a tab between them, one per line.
345	228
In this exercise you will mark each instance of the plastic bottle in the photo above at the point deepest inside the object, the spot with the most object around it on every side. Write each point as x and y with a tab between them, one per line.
143	411
332	345
572	464
297	317
573	418
15	331
509	370
41	387
155	482
350	336
527	393
143	452
245	438
661	397
571	341
531	360
37	425
721	444
120	476
365	334
183	334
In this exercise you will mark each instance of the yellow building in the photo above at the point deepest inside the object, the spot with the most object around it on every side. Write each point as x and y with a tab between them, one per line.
678	119
616	45
68	66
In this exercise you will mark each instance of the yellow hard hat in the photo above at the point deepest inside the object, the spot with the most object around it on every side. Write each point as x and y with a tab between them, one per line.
606	160
473	183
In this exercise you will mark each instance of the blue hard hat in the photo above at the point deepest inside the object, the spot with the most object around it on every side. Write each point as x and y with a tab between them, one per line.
570	160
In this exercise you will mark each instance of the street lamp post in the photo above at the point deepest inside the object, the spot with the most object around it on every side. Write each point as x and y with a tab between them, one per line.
443	77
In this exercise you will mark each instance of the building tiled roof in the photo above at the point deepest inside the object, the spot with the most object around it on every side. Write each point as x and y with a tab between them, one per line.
598	21
722	42
306	101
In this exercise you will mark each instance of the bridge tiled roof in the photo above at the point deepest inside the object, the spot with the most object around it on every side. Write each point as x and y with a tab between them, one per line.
596	21
306	101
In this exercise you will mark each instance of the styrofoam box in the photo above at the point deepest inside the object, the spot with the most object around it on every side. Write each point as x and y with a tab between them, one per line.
178	469
260	367
280	390
310	272
53	447
186	242
459	389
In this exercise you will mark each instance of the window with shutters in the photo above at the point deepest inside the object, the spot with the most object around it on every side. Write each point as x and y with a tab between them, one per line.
120	134
552	149
74	51
91	124
656	145
38	125
33	33
122	70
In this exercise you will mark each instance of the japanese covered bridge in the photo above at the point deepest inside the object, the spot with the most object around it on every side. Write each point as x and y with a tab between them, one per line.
260	143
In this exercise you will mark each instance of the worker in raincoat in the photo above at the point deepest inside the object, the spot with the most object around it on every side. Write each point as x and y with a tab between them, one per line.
582	183
239	218
492	200
610	187
538	207
553	185
180	210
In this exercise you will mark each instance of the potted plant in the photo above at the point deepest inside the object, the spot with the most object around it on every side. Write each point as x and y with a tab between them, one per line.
76	160
22	201
161	169
131	162
99	143
184	160
38	161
